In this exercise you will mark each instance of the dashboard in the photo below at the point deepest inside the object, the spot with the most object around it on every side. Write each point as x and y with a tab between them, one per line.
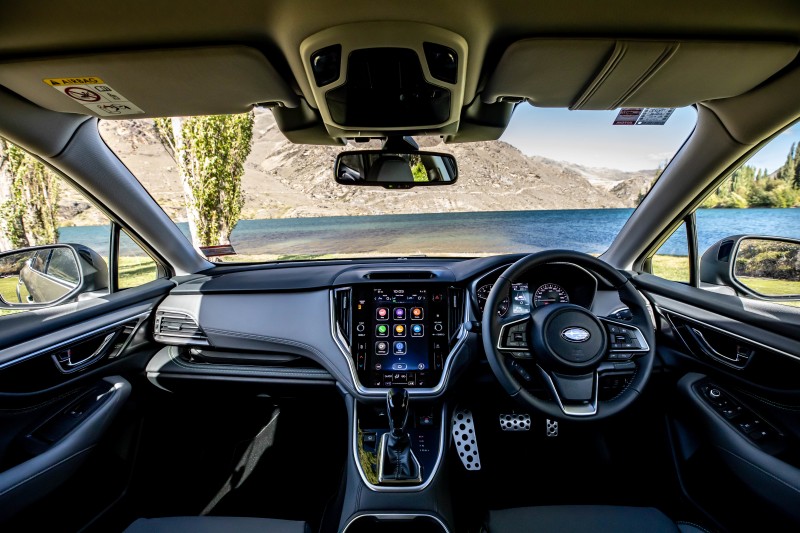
366	325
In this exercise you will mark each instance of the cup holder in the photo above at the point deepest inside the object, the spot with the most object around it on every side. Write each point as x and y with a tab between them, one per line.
395	523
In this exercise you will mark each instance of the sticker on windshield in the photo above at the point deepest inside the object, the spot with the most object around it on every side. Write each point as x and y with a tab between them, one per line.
95	95
643	116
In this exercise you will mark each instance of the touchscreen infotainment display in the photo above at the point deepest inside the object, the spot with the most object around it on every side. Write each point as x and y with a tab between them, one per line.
400	334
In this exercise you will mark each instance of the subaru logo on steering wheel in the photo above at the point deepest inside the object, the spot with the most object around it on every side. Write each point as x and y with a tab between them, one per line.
575	334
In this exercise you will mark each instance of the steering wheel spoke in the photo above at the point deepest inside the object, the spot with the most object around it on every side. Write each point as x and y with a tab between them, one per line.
626	342
576	395
513	338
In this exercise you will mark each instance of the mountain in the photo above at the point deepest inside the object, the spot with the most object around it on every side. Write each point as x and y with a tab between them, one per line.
286	180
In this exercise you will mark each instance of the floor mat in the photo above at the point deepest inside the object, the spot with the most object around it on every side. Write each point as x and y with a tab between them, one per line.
240	457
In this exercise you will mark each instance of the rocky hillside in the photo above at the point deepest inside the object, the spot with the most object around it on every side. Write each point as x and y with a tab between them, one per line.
287	180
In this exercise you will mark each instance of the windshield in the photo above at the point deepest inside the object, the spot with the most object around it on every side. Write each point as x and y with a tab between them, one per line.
555	179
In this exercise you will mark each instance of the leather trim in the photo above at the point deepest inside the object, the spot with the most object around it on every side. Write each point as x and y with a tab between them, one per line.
167	361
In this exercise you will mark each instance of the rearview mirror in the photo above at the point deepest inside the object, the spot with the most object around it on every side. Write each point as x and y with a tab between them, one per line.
43	276
395	170
764	267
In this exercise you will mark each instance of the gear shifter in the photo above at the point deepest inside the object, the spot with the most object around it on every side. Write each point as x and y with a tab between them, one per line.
397	408
396	461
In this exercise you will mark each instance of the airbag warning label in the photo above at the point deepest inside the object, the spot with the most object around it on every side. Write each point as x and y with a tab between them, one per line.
95	95
643	116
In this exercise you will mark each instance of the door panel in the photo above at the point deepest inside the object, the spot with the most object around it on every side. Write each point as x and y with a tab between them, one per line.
65	381
735	418
53	447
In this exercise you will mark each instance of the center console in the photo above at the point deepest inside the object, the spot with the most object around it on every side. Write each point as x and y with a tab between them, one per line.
399	334
402	337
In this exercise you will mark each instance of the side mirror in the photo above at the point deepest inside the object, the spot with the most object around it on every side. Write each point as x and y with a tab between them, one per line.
764	267
394	169
43	276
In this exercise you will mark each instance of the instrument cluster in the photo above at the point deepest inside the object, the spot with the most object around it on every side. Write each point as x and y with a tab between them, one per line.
545	285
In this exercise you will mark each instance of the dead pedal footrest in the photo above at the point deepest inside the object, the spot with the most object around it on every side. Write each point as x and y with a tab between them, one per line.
463	430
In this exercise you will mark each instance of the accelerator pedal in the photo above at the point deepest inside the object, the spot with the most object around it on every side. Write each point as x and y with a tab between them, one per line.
463	430
515	422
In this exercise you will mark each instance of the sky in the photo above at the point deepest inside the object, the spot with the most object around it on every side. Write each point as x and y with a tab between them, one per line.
589	138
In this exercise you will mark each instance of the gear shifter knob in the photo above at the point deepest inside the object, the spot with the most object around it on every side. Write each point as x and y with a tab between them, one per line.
397	408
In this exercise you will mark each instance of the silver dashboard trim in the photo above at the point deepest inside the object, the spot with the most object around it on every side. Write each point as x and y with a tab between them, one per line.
342	344
413	488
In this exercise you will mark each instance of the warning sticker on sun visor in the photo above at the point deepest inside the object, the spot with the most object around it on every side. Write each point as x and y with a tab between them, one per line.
95	95
643	116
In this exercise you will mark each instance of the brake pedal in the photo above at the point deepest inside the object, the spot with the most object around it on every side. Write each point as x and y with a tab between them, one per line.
551	428
515	422
463	430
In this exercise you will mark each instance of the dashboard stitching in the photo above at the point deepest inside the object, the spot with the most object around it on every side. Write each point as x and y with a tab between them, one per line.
628	386
276	340
785	407
238	370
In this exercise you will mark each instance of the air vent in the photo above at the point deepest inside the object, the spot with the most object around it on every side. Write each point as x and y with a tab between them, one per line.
455	311
414	274
178	328
342	298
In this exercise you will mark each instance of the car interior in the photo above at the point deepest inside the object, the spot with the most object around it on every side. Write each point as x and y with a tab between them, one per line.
259	396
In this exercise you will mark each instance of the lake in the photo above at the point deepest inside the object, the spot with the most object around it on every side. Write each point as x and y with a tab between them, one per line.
586	230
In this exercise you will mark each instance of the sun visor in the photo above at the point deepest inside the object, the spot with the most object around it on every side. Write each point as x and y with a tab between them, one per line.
610	73
158	83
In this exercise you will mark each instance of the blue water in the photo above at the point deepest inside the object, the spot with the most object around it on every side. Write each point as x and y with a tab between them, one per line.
586	230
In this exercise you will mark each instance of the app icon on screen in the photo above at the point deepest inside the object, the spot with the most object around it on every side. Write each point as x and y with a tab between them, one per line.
400	313
417	313
399	330
382	313
399	348
382	330
381	348
417	330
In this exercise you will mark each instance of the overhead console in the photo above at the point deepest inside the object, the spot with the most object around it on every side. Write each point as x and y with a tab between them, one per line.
367	79
399	334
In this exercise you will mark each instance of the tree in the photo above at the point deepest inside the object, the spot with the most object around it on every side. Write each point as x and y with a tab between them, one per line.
645	190
210	153
28	199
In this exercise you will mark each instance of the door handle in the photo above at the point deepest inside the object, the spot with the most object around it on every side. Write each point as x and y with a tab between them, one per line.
739	359
65	360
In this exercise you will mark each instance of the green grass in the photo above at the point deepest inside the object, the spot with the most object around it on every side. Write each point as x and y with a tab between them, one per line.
671	267
135	271
772	287
676	268
8	290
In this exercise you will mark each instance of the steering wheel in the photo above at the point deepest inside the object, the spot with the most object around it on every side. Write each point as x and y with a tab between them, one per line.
567	345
